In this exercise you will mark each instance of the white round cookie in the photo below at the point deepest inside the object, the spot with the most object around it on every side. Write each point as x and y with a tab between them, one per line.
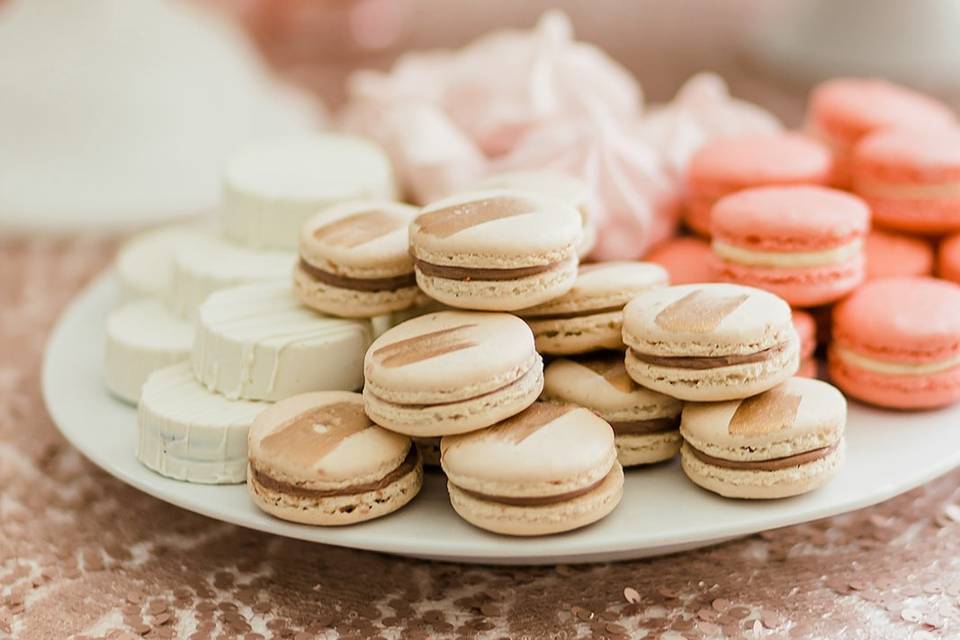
144	263
142	336
211	263
271	189
188	433
258	342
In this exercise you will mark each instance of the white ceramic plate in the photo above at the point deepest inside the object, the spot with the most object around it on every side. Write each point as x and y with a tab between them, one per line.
662	512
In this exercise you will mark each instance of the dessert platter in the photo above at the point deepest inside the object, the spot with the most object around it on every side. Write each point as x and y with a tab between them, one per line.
565	331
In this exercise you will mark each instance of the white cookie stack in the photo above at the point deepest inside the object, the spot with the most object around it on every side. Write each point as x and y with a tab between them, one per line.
210	332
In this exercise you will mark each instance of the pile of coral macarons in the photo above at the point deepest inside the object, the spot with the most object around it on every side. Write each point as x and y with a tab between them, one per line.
474	336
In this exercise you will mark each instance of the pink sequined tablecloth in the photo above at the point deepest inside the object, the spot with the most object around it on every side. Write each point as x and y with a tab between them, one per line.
84	556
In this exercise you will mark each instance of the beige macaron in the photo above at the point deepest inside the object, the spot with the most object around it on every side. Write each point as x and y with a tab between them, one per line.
451	372
355	260
554	184
497	250
783	442
707	342
549	469
316	458
644	422
589	317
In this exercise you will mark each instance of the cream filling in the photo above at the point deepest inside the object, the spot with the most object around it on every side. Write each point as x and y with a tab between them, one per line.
878	189
754	258
895	368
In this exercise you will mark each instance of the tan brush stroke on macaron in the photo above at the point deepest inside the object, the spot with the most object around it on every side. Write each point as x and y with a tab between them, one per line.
525	424
768	412
614	372
698	312
313	434
444	223
359	228
424	347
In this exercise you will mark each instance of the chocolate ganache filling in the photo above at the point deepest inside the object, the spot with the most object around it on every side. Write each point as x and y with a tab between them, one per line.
466	274
409	464
709	362
359	284
774	464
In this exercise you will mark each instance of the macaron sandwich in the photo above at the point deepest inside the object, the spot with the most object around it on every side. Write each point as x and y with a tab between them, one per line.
709	341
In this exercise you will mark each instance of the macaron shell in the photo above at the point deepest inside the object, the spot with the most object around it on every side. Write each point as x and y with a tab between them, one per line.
799	415
923	325
907	157
583	334
503	295
497	229
448	356
891	255
735	483
685	259
546	450
338	510
602	285
541	520
350	303
448	418
928	216
792	218
807	287
325	441
705	319
635	450
360	238
895	391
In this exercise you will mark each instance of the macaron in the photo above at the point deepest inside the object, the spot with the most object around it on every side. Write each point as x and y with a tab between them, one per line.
589	317
451	372
733	163
686	259
549	469
803	243
890	255
783	442
948	259
644	422
911	179
806	328
497	250
316	458
561	186
709	341
843	110
896	343
429	450
355	260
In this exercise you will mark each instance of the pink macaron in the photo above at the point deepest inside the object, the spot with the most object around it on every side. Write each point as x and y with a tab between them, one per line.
686	259
948	259
910	178
890	255
843	110
806	328
734	163
896	343
803	243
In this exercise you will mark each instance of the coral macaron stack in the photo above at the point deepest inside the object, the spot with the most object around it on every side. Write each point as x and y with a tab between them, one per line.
803	243
896	343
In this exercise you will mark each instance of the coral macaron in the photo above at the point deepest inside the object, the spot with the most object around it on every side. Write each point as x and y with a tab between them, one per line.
896	343
355	261
316	458
706	342
783	442
803	243
843	110
890	255
451	372
948	259
733	163
685	258
549	469
497	250
911	179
